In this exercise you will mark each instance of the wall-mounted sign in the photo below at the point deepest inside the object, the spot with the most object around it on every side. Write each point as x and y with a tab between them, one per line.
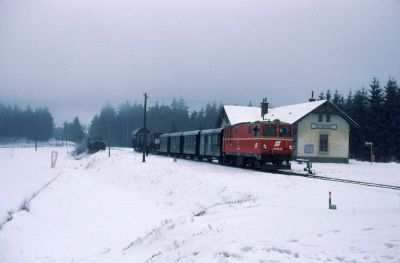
309	148
323	126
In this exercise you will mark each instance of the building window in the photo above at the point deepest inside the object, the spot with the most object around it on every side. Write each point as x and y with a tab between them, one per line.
323	143
328	117
320	118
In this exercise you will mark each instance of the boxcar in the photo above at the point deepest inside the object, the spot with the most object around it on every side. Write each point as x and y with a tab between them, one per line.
152	141
164	144
176	144
191	141
211	144
137	141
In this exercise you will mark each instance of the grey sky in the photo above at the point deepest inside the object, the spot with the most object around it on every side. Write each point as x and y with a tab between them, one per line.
76	55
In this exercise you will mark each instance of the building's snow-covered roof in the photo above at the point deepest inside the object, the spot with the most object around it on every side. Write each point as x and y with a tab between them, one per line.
289	113
292	113
238	114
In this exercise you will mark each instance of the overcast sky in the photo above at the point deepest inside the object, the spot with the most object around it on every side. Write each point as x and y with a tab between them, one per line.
74	56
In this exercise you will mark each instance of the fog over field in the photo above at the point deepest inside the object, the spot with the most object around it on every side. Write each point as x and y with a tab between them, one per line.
75	56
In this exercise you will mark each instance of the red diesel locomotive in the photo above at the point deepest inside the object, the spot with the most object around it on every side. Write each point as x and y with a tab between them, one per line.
264	144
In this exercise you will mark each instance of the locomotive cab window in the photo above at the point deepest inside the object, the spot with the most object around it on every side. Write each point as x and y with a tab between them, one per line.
269	131
256	131
285	131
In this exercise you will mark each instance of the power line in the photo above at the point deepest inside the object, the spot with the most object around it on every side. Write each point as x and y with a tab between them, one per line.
171	99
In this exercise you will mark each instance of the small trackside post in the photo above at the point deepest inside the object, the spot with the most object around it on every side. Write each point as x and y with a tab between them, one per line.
331	206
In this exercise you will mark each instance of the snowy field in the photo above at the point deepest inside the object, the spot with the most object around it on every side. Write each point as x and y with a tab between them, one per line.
118	209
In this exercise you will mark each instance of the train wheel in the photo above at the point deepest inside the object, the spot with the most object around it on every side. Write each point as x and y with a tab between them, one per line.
225	160
277	162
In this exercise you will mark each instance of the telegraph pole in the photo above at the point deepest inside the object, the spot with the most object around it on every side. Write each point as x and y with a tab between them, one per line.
109	135
144	129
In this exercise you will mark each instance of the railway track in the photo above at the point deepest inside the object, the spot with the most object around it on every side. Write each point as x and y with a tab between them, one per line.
332	179
311	176
387	186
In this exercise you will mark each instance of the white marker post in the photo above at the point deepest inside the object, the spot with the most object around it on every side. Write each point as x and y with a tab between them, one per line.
54	155
331	206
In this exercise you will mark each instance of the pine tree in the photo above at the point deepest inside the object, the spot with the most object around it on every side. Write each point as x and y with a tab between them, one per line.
328	95
375	122
338	100
359	111
391	120
77	133
348	104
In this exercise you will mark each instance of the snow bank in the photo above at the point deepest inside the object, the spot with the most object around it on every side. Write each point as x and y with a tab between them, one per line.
119	209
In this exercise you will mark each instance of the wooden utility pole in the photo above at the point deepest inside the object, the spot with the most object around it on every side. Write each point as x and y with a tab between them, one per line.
109	136
144	129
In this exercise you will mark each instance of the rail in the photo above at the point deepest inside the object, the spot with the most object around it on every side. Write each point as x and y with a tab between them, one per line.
340	180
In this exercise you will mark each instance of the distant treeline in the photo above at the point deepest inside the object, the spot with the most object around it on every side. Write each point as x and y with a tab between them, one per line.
28	123
160	118
377	111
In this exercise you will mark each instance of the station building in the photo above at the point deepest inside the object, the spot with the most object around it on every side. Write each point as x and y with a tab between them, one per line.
321	129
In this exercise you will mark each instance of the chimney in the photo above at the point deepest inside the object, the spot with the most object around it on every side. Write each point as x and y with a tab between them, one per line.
312	97
264	107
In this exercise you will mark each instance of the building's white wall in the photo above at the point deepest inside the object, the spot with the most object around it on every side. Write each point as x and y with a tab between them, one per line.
338	140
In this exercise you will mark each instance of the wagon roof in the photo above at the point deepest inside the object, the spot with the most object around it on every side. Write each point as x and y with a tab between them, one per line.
138	131
191	132
175	134
211	131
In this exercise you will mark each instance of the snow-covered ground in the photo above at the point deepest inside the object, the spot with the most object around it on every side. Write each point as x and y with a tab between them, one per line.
118	209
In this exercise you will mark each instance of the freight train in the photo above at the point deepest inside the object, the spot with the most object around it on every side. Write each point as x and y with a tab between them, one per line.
152	140
261	144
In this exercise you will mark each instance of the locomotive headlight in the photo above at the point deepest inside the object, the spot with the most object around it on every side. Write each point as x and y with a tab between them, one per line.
290	147
264	146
